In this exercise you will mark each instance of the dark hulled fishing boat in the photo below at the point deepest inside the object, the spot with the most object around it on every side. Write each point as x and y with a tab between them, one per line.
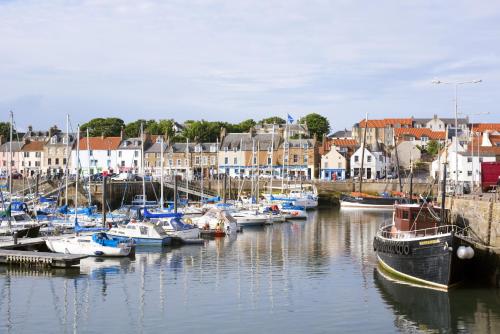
359	200
417	247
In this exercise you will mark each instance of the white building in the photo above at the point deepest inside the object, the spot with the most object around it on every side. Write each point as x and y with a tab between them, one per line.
129	155
101	154
333	165
375	166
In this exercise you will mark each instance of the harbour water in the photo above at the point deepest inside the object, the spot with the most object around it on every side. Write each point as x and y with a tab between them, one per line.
315	276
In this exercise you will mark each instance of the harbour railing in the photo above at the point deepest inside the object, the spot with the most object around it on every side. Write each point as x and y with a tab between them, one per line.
385	231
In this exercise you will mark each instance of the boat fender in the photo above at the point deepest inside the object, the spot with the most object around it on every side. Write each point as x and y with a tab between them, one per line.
99	253
469	252
400	249
406	249
462	252
188	221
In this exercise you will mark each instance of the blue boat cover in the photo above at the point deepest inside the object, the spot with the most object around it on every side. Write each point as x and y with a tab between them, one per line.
148	214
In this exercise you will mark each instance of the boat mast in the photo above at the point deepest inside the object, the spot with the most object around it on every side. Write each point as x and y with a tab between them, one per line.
67	161
142	167
77	168
201	164
411	181
88	168
397	165
161	173
272	172
253	170
10	154
363	146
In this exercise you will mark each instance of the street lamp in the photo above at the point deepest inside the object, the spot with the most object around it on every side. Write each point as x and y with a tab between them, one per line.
456	84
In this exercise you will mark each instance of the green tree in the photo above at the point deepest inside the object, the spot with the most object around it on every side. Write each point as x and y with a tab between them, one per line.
166	128
318	125
272	120
5	131
433	147
245	125
203	131
103	126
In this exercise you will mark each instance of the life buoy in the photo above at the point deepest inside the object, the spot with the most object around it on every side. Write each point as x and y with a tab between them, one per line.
406	249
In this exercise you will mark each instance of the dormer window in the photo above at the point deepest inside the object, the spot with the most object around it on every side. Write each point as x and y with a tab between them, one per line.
197	148
65	140
53	140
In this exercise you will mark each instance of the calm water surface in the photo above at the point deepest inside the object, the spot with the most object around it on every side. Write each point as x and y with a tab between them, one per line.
317	276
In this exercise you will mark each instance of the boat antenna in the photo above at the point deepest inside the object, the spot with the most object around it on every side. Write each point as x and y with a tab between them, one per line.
363	146
443	193
397	165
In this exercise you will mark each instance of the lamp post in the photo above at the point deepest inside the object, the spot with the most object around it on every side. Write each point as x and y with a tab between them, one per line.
456	84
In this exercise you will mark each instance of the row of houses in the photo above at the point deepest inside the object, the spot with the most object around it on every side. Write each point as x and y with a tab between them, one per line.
268	150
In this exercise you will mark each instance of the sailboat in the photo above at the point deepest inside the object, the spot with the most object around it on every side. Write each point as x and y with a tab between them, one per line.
97	244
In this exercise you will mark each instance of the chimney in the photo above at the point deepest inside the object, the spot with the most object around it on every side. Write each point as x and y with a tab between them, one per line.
222	133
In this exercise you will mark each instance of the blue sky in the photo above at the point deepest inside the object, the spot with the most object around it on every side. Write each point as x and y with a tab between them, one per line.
233	60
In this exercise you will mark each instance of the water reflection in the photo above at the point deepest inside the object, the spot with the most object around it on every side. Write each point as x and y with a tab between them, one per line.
466	309
313	276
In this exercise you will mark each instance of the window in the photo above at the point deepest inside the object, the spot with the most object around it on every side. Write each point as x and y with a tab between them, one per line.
306	158
381	158
212	160
119	154
469	159
226	160
109	153
269	160
64	161
225	149
108	163
356	158
197	148
186	162
50	161
469	173
136	153
405	215
144	230
235	161
234	149
254	160
178	162
213	149
135	163
369	158
424	139
122	163
480	159
26	154
205	160
91	152
37	163
286	158
57	161
53	140
295	158
197	160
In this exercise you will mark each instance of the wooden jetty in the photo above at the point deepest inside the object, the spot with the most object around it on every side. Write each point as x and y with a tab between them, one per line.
13	253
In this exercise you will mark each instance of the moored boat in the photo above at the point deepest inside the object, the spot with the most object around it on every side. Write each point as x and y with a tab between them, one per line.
97	244
143	233
420	247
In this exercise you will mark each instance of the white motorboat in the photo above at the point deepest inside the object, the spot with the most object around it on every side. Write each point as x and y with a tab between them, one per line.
217	219
143	233
97	244
250	218
178	228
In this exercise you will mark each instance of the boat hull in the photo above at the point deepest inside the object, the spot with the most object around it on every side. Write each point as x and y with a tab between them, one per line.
431	261
90	249
382	203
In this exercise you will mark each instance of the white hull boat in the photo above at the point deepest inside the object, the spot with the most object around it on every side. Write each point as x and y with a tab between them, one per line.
97	244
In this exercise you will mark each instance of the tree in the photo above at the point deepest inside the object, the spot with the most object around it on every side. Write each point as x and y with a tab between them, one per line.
5	131
272	120
202	131
318	125
245	125
103	127
433	147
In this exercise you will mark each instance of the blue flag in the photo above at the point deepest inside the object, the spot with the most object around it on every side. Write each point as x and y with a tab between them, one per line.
290	119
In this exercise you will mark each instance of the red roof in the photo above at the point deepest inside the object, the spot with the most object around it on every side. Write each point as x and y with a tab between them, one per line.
33	146
481	127
100	143
344	142
382	123
418	133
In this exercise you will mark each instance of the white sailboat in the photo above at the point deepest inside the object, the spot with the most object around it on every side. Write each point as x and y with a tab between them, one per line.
97	244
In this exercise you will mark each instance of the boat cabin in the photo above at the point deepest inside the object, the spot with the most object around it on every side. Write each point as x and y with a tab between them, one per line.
413	217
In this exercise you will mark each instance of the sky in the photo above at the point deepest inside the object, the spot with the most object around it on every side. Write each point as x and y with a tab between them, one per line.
237	59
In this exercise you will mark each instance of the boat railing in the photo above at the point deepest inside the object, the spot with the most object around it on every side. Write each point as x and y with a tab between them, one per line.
388	232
